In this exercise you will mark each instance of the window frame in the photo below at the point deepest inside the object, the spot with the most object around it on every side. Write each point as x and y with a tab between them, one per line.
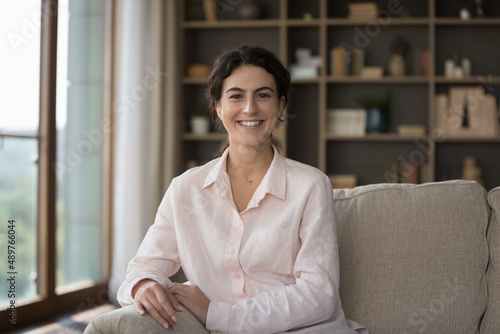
84	296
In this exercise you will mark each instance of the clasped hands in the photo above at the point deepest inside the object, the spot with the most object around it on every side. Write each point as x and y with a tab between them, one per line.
163	304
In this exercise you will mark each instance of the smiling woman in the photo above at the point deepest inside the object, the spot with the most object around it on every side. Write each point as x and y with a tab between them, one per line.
252	229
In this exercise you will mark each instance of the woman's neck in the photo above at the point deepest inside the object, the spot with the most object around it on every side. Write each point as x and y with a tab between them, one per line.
249	163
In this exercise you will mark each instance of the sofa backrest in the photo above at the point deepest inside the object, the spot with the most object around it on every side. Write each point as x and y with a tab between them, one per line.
491	321
413	258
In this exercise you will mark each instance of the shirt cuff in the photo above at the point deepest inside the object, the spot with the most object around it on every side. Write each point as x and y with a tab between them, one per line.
125	291
218	317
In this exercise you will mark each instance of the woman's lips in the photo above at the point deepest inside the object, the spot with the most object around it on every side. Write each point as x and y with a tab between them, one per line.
250	123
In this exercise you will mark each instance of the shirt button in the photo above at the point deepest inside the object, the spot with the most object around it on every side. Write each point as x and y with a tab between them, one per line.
238	224
237	276
231	251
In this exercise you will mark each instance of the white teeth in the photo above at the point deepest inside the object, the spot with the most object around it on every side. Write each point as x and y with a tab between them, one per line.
250	123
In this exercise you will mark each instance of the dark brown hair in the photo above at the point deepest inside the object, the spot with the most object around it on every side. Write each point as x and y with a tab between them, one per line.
229	60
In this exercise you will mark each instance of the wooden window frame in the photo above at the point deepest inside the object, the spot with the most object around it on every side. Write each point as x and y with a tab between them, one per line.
48	304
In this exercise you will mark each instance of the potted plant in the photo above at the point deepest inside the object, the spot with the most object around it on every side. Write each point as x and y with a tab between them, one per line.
199	120
377	112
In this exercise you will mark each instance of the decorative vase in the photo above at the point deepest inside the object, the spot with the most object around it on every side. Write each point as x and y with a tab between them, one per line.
200	125
397	65
471	170
377	120
248	10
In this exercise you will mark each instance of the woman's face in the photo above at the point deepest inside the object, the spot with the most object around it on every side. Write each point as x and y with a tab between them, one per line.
249	106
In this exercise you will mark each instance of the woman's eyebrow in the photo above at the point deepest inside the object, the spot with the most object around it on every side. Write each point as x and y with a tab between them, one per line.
237	89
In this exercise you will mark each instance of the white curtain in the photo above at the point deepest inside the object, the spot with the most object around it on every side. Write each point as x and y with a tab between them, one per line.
140	115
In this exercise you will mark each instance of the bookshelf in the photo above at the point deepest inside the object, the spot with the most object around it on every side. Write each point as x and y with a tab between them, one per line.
433	25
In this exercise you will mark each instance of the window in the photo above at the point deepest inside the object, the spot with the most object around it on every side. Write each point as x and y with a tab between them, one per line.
54	156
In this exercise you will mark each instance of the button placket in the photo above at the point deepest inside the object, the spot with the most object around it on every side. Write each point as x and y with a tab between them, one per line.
232	257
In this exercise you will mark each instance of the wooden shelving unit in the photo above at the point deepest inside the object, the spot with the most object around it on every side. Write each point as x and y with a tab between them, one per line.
432	24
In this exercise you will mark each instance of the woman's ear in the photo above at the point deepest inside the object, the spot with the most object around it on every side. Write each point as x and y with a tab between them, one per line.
217	109
282	105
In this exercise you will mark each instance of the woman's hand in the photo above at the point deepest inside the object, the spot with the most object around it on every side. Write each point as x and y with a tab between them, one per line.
192	298
149	296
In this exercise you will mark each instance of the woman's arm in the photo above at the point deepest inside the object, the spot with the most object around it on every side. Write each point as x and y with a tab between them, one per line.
148	273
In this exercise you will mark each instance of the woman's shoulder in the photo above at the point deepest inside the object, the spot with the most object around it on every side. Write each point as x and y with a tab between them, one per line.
195	175
302	170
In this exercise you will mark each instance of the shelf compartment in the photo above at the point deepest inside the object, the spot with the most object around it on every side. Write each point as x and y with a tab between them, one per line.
409	103
376	44
372	162
202	45
451	9
473	42
450	156
406	10
297	8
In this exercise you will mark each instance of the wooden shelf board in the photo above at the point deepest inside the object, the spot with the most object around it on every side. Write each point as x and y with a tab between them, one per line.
302	23
271	23
467	140
376	137
207	137
305	80
472	21
194	80
385	79
395	21
476	79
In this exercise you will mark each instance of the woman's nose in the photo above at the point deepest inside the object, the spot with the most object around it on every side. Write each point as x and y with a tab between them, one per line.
250	106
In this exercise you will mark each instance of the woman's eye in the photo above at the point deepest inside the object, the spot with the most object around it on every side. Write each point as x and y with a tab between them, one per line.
263	95
235	96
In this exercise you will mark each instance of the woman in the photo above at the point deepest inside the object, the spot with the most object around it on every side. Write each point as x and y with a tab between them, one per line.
253	231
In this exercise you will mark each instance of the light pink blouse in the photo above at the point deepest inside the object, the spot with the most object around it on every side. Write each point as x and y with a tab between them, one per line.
271	268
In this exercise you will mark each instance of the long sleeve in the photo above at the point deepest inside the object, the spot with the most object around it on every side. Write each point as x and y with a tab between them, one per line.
157	257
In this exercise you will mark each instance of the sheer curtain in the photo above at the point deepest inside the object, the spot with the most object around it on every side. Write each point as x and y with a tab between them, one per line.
142	118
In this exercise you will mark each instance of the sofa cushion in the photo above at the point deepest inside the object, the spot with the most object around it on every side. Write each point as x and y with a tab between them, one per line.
413	257
491	321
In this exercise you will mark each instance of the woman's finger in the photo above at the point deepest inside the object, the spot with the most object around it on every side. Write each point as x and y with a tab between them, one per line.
138	307
165	323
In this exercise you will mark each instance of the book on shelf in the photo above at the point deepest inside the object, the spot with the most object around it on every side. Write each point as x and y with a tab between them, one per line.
346	122
344	62
357	61
210	10
468	112
362	10
339	61
422	58
404	172
343	181
372	72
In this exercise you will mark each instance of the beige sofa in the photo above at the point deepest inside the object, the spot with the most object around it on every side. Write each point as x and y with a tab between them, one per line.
420	258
